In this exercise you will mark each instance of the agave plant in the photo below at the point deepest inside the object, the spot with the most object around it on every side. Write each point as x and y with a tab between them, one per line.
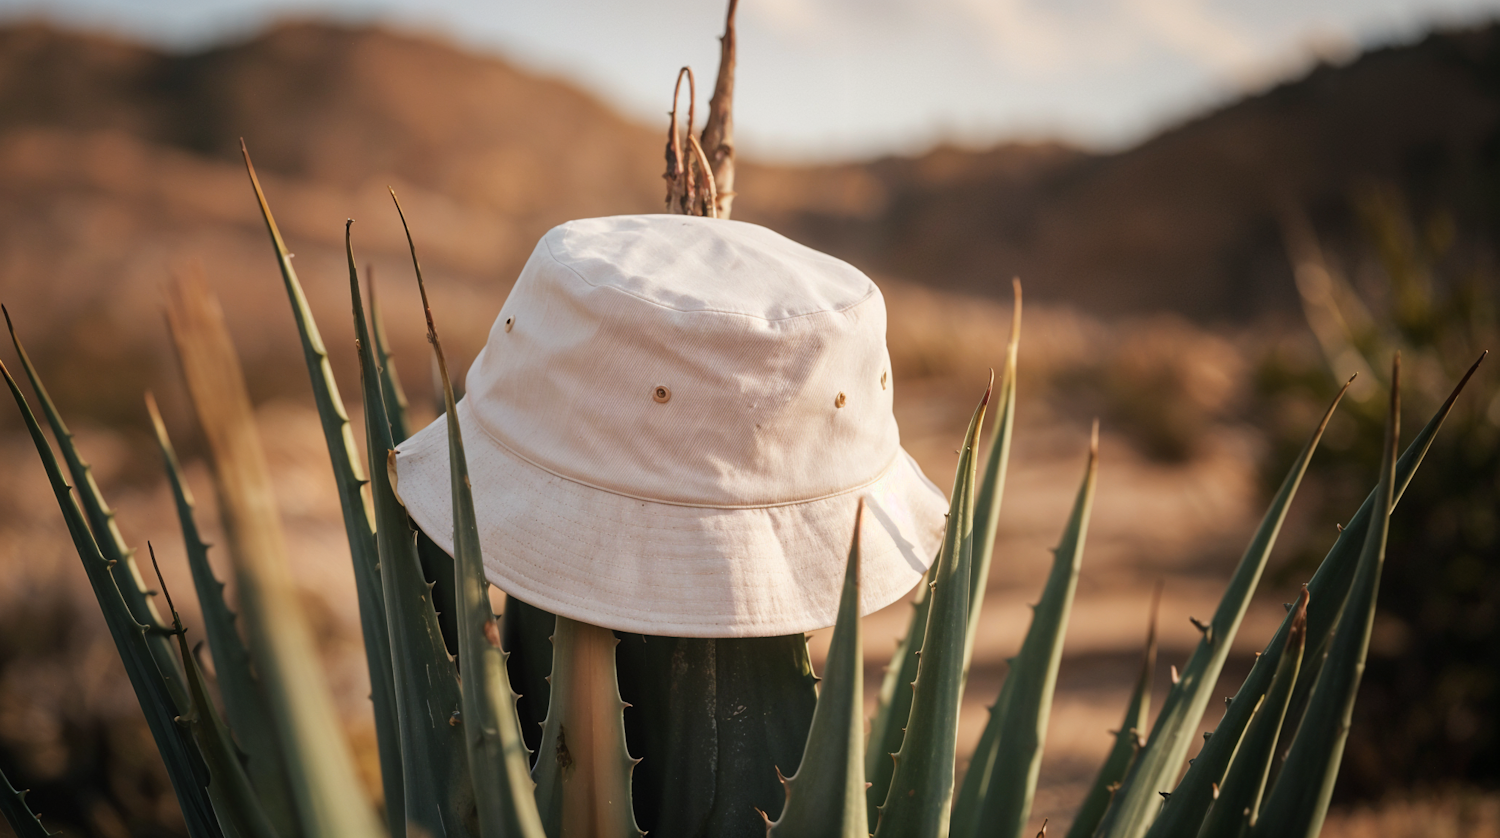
557	728
453	753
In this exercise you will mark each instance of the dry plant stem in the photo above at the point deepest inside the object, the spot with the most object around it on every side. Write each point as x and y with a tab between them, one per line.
679	173
718	132
330	799
706	197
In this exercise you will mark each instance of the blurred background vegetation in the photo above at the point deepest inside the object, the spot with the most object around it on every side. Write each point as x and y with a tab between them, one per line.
1410	281
1203	291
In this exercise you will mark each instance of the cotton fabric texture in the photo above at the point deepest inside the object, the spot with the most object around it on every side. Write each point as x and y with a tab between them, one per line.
669	430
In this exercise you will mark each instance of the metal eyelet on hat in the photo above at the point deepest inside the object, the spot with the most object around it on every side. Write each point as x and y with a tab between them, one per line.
661	394
509	321
838	400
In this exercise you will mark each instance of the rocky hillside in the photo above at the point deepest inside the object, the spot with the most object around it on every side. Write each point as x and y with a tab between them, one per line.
1189	221
119	165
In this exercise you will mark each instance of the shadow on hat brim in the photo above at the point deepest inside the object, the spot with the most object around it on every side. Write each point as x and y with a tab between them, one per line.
667	569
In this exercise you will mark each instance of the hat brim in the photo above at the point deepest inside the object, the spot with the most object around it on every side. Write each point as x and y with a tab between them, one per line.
665	569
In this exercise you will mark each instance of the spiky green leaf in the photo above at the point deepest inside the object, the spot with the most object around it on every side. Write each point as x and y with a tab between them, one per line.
390	382
1298	802
893	703
358	527
992	484
234	799
330	799
22	820
499	763
1014	761
1129	739
185	768
101	521
244	698
1239	796
921	793
439	794
709	718
526	636
1155	769
826	797
1328	589
583	767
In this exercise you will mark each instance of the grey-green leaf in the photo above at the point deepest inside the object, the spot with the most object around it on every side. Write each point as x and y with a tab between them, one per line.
390	382
1328	589
101	521
992	484
1155	769
921	792
499	763
826	797
234	799
1020	720
22	820
185	768
330	799
439	793
239	687
1239	796
358	527
1298	803
583	767
1129	739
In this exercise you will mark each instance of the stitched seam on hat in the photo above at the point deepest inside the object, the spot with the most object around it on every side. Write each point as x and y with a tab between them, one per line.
874	291
474	421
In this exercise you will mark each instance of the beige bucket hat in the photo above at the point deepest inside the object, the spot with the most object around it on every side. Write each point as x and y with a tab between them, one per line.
669	430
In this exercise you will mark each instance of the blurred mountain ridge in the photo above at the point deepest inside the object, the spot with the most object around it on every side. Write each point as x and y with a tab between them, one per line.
119	164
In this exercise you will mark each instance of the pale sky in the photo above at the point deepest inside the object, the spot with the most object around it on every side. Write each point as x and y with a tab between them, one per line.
836	79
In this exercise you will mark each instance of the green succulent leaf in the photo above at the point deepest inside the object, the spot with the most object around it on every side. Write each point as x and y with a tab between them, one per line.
22	820
1014	760
826	797
981	764
1239	796
1328	589
713	720
992	484
357	519
185	767
499	763
439	793
1298	802
1155	769
330	799
101	521
921	793
234	798
244	698
390	382
1129	739
583	767
526	636
893	704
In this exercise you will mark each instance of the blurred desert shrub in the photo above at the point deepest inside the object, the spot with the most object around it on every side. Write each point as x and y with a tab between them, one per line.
1427	707
1161	381
69	722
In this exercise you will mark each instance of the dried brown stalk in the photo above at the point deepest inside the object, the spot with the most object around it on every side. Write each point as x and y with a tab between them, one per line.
706	194
718	133
679	174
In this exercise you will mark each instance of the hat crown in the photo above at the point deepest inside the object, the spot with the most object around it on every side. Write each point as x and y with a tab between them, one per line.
690	361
